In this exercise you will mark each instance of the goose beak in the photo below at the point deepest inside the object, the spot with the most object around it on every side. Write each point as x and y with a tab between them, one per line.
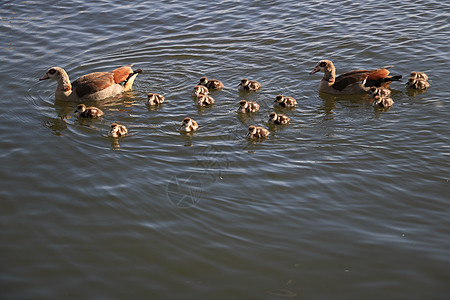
44	77
315	70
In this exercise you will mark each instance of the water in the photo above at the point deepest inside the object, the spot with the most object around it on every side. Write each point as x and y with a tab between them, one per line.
346	202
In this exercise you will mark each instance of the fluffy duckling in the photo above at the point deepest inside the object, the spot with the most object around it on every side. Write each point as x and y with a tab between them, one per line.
200	90
384	102
212	84
248	106
88	112
417	84
419	75
154	99
188	125
256	132
249	85
283	101
275	118
117	130
380	91
204	100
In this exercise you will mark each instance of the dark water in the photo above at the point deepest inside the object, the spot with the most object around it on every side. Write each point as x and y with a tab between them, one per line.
346	202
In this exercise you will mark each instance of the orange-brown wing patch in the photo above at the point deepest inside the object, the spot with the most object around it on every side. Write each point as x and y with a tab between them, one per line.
121	74
346	79
92	83
378	74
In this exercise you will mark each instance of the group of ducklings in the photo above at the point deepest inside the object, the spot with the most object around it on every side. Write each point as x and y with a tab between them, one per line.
381	98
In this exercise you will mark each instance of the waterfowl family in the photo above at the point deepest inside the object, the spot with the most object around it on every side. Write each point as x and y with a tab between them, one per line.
117	130
284	101
256	132
353	82
204	100
93	86
88	112
212	84
248	106
275	118
154	99
380	101
188	125
200	90
249	85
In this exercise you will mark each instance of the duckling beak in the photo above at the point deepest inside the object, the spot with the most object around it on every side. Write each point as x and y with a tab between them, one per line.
315	70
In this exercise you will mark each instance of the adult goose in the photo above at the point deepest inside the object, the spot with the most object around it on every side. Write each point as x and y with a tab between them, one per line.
353	82
93	86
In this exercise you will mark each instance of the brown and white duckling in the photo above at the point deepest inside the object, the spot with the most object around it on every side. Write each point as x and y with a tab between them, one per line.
283	101
204	100
154	99
212	84
249	85
380	91
419	75
353	82
200	90
257	132
384	102
275	118
417	84
88	112
247	106
117	130
188	125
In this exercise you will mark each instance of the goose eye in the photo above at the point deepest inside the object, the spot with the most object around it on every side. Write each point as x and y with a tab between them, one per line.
322	64
52	71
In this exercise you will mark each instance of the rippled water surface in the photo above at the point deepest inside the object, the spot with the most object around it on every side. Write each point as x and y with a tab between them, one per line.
345	202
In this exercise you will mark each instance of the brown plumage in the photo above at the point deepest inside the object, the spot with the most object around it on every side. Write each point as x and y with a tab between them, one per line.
154	99
256	132
248	106
200	90
275	118
419	75
384	102
212	84
417	84
353	82
93	86
204	100
284	101
249	85
117	130
188	125
380	91
88	112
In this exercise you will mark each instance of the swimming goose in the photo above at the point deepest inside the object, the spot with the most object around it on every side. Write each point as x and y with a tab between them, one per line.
117	130
249	85
380	101
275	118
417	84
188	124
93	86
284	101
200	90
382	92
212	84
353	82
247	106
256	132
88	112
154	99
204	100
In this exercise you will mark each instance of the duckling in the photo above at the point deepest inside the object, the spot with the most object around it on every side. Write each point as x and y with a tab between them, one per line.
248	107
154	99
204	100
88	112
384	102
249	85
188	125
417	84
283	101
117	130
256	132
380	91
200	90
275	118
419	75
212	84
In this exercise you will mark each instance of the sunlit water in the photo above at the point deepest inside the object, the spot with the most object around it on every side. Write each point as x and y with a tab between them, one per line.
345	202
